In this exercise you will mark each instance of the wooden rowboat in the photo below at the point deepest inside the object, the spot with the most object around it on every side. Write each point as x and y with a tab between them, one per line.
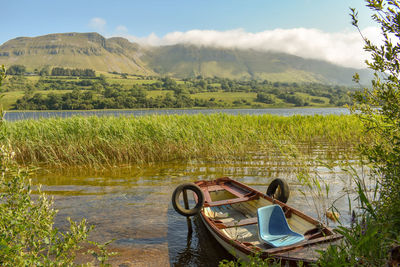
231	213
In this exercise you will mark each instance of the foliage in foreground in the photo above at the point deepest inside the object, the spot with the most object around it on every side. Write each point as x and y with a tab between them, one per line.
379	108
375	230
27	234
253	261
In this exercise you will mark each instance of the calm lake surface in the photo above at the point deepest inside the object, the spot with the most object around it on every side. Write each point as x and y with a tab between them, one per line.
21	115
132	204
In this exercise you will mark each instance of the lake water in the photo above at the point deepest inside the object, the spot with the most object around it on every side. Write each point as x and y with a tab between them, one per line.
20	115
132	204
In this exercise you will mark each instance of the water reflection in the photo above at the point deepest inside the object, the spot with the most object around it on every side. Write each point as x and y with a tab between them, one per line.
132	204
23	115
197	247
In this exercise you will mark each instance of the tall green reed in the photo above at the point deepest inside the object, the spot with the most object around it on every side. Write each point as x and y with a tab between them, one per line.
366	239
109	141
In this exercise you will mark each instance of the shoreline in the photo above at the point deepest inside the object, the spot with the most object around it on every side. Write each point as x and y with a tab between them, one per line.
37	114
155	109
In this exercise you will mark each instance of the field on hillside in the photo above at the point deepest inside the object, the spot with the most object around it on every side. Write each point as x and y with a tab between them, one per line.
121	90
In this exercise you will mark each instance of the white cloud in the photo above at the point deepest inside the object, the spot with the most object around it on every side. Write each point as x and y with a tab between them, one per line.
97	24
121	29
342	48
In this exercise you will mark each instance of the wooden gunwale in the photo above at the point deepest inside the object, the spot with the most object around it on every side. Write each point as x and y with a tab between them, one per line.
229	201
306	243
222	181
207	196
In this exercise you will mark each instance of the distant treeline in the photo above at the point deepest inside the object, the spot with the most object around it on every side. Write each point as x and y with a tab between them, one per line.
73	72
16	70
110	97
56	71
99	94
88	91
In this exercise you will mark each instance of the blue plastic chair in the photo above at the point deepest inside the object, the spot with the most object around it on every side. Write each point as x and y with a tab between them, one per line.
273	228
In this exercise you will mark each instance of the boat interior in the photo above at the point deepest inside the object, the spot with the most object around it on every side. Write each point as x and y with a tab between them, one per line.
233	210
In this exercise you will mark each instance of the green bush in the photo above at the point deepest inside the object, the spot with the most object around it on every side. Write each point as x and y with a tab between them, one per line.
375	229
27	233
253	261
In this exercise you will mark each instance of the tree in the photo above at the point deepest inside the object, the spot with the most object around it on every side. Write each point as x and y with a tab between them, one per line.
169	84
45	71
379	106
16	70
58	71
97	87
265	98
2	74
102	79
374	235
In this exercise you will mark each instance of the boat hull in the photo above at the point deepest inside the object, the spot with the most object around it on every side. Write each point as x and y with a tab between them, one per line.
226	245
226	199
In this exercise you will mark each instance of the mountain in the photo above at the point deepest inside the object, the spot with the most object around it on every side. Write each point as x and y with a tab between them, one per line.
74	50
183	61
91	50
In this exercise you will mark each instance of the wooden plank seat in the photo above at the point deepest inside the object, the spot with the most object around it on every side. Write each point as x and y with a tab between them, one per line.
230	201
243	222
238	192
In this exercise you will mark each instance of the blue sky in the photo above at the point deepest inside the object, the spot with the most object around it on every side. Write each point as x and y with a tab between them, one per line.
141	18
159	22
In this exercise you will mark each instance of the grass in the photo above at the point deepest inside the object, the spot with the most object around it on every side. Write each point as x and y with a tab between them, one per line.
228	97
112	141
33	79
159	93
129	82
9	98
309	97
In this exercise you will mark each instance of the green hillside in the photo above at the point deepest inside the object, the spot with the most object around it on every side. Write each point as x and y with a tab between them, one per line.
189	61
91	50
74	50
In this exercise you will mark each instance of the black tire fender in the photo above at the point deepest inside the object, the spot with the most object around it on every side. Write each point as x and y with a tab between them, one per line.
182	210
284	191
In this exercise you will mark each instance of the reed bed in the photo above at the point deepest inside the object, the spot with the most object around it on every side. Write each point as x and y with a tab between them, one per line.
112	141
